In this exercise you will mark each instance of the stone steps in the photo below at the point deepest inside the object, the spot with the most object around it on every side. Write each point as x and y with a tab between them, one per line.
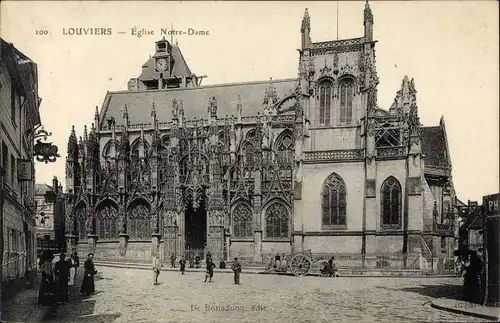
343	272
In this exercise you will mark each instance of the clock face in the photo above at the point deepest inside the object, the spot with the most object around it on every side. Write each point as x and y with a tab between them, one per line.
161	65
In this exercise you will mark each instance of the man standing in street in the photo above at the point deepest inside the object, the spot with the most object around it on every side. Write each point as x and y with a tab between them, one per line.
172	260
62	275
156	269
182	263
236	267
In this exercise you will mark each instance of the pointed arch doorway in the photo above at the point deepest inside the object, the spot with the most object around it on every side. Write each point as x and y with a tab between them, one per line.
195	225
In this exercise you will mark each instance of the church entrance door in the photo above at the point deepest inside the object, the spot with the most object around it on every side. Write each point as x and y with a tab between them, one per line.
196	227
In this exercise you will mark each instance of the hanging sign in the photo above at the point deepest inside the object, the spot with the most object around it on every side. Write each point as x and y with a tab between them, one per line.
45	151
24	170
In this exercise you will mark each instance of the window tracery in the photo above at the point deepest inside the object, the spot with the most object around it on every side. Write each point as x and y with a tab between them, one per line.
242	221
277	222
107	228
285	148
346	97
391	202
334	202
138	222
325	92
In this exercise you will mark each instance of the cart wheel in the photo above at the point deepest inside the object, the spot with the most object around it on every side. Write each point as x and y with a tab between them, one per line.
300	265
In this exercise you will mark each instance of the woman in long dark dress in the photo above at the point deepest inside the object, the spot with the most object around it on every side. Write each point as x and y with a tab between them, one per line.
46	292
472	279
88	286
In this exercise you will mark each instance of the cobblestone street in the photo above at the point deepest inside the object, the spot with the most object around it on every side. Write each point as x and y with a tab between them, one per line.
127	295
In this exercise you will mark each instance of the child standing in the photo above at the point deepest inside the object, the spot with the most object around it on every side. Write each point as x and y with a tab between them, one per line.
182	264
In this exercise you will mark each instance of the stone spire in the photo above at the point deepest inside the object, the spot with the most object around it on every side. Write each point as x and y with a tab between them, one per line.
212	107
239	109
405	97
181	114
72	145
125	116
270	98
153	115
96	117
368	22
305	30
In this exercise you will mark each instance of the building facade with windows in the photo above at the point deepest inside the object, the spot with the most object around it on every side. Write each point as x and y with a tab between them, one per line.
19	115
248	169
45	214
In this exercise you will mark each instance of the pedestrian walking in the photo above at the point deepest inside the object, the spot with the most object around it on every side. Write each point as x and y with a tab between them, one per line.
172	260
46	292
71	263
236	267
197	260
77	263
270	262
210	270
88	285
472	279
156	269
62	272
182	264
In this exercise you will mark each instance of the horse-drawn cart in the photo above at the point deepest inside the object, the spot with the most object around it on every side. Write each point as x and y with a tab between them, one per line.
301	263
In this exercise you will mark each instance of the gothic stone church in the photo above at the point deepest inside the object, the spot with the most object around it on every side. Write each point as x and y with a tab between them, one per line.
248	169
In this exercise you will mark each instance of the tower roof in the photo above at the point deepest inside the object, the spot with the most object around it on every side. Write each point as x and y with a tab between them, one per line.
179	68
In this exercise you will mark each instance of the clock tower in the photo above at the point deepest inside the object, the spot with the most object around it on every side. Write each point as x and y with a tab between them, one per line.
163	59
166	69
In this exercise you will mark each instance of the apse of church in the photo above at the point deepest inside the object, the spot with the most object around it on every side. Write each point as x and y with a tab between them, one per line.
247	169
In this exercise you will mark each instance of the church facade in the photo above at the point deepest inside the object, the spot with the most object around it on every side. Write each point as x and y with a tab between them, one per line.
248	169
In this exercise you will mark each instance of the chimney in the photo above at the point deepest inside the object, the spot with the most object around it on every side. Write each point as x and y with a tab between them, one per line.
55	185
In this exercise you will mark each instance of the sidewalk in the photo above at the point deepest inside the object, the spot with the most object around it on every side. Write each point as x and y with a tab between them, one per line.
23	308
467	308
343	272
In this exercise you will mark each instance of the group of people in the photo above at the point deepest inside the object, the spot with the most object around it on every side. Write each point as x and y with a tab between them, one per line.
277	263
210	266
58	277
280	263
330	268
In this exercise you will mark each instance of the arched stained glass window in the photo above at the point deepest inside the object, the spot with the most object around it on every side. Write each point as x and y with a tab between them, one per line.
139	222
277	221
346	95
391	202
325	102
334	202
107	218
242	221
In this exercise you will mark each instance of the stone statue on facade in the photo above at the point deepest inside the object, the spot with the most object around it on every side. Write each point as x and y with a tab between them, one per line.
212	107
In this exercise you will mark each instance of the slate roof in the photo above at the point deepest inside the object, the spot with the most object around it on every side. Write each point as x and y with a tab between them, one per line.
40	189
195	99
434	146
474	220
179	68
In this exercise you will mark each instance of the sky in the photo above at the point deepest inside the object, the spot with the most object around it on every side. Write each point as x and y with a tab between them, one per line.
450	48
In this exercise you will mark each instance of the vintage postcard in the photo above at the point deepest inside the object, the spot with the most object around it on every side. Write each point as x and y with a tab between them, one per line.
249	161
